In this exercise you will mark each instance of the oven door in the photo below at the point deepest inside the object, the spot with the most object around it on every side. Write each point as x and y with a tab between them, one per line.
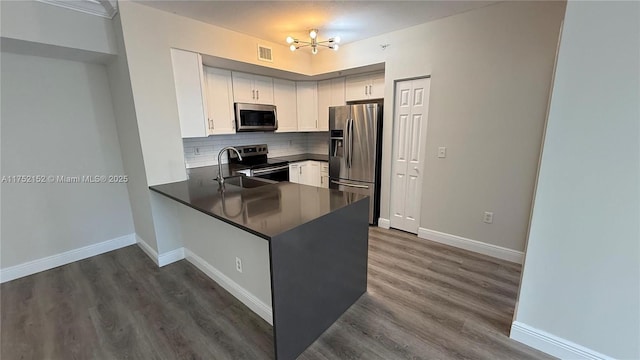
276	173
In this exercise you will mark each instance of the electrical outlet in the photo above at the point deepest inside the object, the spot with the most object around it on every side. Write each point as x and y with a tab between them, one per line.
196	151
238	264
488	217
442	152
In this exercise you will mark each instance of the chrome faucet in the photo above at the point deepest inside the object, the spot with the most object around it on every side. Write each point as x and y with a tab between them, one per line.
220	178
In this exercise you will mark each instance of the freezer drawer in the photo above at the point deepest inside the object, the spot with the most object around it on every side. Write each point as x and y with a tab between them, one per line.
356	187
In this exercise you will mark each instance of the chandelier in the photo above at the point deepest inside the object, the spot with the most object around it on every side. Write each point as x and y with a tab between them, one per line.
295	44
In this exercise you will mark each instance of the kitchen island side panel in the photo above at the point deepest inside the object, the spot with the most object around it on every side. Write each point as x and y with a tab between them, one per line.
318	270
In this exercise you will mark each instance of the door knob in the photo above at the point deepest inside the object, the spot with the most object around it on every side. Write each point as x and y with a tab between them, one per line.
416	169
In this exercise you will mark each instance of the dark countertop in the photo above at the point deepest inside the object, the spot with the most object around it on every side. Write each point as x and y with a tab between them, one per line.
211	172
230	169
302	157
265	211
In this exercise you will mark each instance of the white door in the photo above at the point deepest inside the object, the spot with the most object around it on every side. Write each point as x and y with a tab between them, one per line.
409	137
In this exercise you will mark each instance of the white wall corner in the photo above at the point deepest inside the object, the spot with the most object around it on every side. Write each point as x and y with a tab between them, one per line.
67	257
384	223
160	259
472	245
170	257
147	249
551	344
252	302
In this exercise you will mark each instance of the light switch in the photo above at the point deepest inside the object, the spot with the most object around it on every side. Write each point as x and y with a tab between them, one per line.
442	152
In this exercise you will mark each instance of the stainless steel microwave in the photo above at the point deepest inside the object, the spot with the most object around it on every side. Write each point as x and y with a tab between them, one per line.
255	117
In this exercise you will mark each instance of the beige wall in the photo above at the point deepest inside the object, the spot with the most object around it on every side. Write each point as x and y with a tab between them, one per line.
149	34
57	119
127	127
581	279
491	72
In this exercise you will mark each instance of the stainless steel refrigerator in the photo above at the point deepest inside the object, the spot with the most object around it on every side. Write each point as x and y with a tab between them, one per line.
354	152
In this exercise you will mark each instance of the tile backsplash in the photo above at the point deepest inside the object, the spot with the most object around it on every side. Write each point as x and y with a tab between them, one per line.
204	151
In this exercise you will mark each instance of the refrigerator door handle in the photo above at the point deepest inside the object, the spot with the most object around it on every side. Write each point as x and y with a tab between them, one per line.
350	143
350	185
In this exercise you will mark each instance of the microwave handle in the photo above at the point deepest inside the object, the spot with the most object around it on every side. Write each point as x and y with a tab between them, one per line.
275	123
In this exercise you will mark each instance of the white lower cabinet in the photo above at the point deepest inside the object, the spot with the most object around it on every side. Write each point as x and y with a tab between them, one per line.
294	172
324	175
309	173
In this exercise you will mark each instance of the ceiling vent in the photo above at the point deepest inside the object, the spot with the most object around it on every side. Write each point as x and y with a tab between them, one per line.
265	53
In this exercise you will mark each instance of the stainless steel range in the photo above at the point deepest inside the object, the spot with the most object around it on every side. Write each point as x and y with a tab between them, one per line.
258	165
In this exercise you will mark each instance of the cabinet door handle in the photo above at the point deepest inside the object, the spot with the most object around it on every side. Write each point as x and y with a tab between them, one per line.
210	124
253	94
370	89
233	124
365	90
300	170
257	94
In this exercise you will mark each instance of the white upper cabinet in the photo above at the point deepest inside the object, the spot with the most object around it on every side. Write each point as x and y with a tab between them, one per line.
189	81
284	96
330	93
219	95
307	105
254	89
365	87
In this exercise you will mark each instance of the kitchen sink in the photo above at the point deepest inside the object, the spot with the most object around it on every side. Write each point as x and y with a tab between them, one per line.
246	182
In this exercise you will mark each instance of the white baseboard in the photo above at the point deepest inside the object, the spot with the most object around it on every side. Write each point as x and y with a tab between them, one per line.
472	245
170	257
255	304
67	257
162	259
551	344
147	249
384	223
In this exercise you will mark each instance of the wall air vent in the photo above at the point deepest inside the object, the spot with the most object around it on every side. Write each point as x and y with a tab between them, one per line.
264	53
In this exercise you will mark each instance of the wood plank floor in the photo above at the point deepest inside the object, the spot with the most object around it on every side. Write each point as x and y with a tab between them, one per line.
424	301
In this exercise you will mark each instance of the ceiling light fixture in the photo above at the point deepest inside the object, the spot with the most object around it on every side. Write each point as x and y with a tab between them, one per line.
295	44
